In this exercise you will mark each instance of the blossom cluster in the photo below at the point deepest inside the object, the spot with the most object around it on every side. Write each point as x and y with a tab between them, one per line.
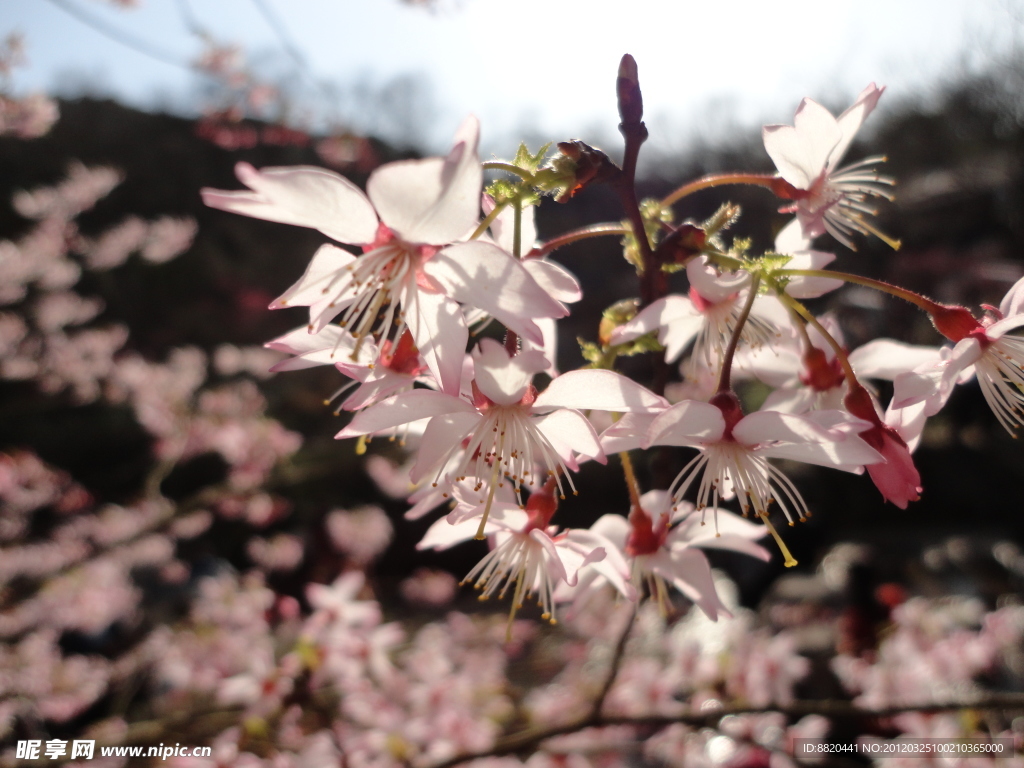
438	305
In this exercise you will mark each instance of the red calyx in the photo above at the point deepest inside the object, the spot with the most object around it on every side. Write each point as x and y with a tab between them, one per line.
732	411
404	359
645	538
541	506
820	373
783	189
702	304
955	323
384	236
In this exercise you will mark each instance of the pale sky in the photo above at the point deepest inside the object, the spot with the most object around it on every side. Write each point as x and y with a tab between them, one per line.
545	65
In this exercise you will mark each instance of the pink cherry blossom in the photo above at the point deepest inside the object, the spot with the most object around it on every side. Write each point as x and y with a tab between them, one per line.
807	154
734	451
983	348
707	317
663	540
410	270
507	428
528	554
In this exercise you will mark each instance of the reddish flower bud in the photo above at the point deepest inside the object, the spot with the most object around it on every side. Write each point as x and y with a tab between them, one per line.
954	322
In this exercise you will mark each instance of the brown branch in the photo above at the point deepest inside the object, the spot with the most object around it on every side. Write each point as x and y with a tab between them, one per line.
836	710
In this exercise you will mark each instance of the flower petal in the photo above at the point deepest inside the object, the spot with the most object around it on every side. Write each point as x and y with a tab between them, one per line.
304	196
443	433
439	330
800	152
851	120
401	409
558	282
887	359
484	276
436	200
326	270
599	390
570	433
502	378
687	423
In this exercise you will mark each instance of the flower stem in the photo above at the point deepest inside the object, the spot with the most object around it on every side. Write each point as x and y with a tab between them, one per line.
511	338
841	356
594	230
631	483
488	220
717	180
497	165
724	379
916	299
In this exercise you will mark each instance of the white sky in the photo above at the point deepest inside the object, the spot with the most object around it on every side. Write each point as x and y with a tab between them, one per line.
548	65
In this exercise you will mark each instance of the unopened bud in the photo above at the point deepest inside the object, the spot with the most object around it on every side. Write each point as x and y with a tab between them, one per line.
627	86
683	244
582	165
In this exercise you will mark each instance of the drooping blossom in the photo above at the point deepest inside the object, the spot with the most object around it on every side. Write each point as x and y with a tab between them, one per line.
984	348
410	275
809	377
529	555
734	450
808	153
663	542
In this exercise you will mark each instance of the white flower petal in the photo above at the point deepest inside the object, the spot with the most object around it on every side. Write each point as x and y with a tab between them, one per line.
687	423
570	433
401	409
434	201
887	359
304	196
501	378
484	276
439	329
599	390
851	120
558	282
325	271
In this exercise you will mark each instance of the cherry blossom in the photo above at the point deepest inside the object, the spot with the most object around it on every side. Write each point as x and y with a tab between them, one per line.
509	429
734	451
984	348
410	270
828	198
707	317
663	542
528	552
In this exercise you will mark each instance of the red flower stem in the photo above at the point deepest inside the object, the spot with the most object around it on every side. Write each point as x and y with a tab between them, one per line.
916	299
594	230
717	180
802	311
725	377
